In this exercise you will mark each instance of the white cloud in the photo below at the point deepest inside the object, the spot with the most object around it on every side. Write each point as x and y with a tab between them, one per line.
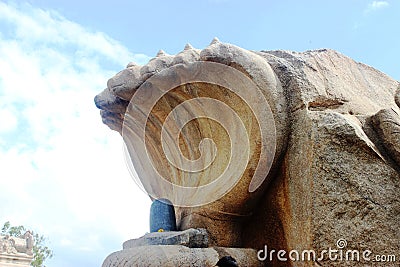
62	171
8	121
35	25
375	5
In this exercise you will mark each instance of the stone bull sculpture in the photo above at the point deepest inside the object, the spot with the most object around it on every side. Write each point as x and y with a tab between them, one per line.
313	137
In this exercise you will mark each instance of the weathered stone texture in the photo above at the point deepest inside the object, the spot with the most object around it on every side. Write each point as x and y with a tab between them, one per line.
192	238
175	255
336	171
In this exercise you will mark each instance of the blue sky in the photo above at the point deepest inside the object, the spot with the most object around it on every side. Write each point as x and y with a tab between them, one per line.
364	30
62	172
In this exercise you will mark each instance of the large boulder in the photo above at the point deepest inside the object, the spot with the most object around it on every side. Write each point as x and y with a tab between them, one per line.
329	163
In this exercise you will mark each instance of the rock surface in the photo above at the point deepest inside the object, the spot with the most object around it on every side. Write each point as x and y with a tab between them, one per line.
335	174
192	238
172	256
387	125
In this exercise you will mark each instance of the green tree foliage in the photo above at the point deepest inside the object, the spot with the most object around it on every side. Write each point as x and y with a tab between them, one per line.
40	251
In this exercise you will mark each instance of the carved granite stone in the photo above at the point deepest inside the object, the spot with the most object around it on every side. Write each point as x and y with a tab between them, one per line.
162	216
174	255
387	125
192	238
334	175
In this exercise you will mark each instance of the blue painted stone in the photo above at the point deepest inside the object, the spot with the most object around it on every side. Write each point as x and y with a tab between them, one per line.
162	216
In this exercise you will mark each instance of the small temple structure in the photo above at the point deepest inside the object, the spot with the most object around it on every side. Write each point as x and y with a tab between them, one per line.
16	251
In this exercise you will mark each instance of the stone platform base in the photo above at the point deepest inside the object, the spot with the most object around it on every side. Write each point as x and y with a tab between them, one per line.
181	248
177	255
15	260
